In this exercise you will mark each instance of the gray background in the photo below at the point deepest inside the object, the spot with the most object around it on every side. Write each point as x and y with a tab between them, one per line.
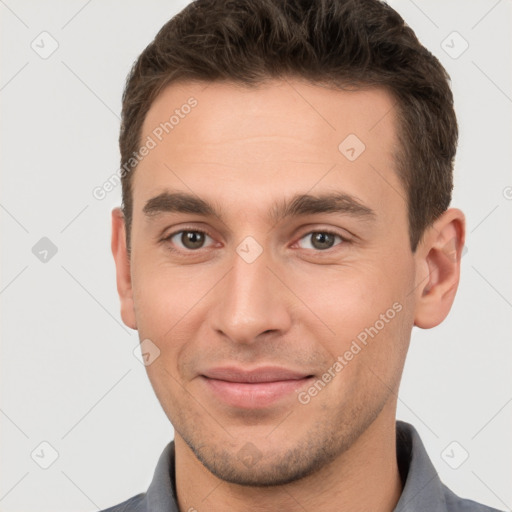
69	376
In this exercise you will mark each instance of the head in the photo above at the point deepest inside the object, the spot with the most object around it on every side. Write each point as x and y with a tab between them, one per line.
290	224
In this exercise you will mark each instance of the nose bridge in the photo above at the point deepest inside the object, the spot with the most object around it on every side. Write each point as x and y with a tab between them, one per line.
250	301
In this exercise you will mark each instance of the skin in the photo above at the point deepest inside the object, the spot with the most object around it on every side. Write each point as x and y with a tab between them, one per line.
295	306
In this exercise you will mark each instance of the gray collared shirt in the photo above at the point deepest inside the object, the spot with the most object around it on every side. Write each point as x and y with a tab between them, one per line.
423	490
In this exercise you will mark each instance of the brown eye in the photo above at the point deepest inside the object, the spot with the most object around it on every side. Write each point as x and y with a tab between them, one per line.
188	239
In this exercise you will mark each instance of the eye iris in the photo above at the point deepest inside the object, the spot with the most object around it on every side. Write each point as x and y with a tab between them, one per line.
322	240
192	239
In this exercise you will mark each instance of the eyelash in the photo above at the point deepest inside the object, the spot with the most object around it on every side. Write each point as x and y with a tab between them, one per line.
343	239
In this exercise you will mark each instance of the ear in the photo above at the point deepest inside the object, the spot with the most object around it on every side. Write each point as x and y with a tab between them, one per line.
438	268
123	274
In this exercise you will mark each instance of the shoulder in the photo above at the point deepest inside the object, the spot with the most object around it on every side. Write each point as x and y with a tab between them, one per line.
134	504
456	504
422	487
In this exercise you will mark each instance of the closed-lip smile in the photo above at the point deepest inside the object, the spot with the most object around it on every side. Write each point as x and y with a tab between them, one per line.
253	388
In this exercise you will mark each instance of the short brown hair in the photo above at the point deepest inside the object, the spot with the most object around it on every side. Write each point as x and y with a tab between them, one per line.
355	43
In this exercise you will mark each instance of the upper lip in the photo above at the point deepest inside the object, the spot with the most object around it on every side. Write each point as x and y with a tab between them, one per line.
262	374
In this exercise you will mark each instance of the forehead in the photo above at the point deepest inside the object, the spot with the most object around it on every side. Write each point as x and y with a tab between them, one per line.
283	135
298	109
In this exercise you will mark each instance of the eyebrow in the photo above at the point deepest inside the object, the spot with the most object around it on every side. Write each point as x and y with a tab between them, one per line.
297	205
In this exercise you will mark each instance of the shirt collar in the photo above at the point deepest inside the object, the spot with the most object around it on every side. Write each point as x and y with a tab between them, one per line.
422	488
160	496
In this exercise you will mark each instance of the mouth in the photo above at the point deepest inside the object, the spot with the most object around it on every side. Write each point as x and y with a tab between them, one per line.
253	389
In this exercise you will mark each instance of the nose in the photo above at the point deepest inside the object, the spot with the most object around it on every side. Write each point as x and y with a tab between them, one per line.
251	301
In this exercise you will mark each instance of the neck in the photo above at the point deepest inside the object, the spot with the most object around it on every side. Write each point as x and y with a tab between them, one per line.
363	478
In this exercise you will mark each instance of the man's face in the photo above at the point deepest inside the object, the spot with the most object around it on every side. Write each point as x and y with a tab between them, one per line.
251	317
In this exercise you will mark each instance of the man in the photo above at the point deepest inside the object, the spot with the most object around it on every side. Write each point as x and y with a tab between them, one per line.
287	175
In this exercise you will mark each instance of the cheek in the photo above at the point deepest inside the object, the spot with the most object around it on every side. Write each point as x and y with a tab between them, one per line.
171	305
164	294
365	314
345	298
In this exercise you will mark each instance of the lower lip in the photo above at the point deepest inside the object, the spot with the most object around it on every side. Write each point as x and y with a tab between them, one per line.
253	395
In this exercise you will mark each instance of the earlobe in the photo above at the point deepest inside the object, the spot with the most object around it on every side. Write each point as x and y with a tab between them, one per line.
123	271
438	268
